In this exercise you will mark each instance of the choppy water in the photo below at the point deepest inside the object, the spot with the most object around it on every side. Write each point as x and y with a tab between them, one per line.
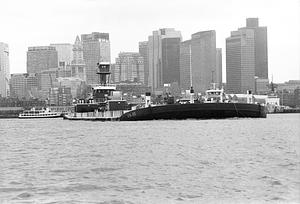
188	161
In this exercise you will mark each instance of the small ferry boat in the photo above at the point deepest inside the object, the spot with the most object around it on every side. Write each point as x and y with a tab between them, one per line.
42	113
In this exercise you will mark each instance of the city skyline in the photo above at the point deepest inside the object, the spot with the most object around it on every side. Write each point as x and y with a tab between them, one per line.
32	23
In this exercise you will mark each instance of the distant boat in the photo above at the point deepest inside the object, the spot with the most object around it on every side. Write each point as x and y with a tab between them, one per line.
42	113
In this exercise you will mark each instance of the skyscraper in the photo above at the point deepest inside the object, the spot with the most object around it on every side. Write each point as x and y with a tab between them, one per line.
96	48
64	53
261	47
203	48
240	61
4	70
41	58
129	67
163	57
143	50
185	65
219	67
78	68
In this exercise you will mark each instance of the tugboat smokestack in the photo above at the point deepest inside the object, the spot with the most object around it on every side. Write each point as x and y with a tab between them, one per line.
192	93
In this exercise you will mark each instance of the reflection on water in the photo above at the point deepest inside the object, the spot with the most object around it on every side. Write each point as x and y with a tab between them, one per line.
188	161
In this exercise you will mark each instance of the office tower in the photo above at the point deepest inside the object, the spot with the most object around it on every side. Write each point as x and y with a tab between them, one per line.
261	47
18	86
219	67
129	67
78	68
163	57
46	80
185	65
4	70
96	48
64	53
143	50
41	58
23	85
203	46
240	61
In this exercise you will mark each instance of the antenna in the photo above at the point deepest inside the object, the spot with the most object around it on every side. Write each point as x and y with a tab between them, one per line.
191	76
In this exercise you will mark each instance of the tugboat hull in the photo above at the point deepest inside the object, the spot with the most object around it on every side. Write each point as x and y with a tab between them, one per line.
196	111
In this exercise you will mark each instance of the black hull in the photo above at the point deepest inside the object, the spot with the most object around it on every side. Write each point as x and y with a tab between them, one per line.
196	111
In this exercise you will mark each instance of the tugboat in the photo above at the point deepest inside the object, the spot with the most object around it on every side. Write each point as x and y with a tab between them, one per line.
215	106
100	106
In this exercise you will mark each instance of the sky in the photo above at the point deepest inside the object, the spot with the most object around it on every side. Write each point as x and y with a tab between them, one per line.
25	23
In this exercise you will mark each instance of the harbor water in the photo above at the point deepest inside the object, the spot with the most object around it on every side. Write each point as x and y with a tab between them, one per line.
184	161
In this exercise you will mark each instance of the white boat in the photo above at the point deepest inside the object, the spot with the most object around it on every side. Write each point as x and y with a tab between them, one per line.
215	95
43	113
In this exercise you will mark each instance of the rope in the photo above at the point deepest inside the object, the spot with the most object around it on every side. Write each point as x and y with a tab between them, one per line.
236	110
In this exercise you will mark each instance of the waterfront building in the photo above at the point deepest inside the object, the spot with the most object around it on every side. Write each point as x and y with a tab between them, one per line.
290	85
261	86
64	53
41	58
46	80
78	67
4	70
164	57
60	96
143	50
129	67
74	83
96	49
203	49
219	75
185	65
240	61
18	85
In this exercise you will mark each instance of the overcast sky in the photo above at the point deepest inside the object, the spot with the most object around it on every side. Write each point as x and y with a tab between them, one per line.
25	23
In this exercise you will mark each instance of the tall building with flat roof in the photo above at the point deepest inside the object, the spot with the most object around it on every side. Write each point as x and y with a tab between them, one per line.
96	48
246	57
129	67
203	46
41	58
261	47
185	65
143	50
240	61
4	70
163	57
219	67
